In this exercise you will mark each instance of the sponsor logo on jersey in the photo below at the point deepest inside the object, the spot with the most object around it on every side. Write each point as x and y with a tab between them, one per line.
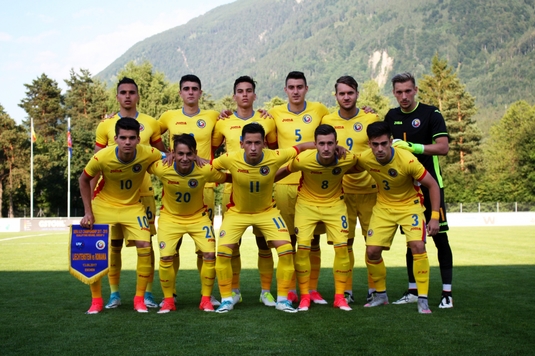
358	127
181	123
222	233
193	183
201	123
416	123
137	168
339	127
264	170
287	120
416	229
337	170
116	171
398	122
375	170
392	172
370	233
235	127
141	127
345	231
243	171
172	182
162	245
315	172
100	245
307	119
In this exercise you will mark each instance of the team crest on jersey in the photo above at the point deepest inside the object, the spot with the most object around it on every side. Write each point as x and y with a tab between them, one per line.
162	245
264	170
222	233
370	233
100	245
392	173
141	127
307	119
201	123
358	127
416	123
337	171
193	183
136	168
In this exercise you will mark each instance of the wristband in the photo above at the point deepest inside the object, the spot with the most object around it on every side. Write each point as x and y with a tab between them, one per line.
163	154
435	215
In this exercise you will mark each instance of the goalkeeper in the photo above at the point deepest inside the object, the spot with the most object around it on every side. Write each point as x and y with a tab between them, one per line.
420	129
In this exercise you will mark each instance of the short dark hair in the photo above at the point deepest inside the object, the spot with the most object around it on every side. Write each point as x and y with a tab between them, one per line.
127	123
252	128
402	78
378	129
296	75
347	80
185	139
190	78
324	129
244	79
127	80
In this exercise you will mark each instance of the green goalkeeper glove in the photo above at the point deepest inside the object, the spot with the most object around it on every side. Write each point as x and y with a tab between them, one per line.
415	148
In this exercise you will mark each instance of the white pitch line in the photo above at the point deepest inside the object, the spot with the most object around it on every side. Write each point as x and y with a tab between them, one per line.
23	237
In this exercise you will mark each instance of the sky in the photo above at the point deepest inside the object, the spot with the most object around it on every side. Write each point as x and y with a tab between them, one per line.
54	36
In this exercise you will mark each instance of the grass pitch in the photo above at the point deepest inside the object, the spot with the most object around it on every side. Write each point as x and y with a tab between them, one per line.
494	278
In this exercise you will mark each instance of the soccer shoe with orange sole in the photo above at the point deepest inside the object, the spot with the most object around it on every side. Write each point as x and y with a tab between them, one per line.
316	297
139	305
206	305
96	306
292	297
168	305
341	302
305	302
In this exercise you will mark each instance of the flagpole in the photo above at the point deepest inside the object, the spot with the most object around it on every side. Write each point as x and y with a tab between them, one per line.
31	168
69	153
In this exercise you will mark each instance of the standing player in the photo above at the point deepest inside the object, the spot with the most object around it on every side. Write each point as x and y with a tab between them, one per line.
296	123
320	198
183	211
200	124
230	130
253	172
128	98
116	201
360	190
423	131
399	203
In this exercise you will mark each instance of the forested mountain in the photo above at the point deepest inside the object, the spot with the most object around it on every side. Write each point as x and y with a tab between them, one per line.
490	42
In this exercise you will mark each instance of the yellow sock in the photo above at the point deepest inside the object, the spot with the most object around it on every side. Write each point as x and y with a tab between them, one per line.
114	276
315	266
341	268
265	268
151	276
377	271
349	282
236	268
420	267
207	277
176	266
142	270
96	289
302	267
167	278
223	269
285	269
371	285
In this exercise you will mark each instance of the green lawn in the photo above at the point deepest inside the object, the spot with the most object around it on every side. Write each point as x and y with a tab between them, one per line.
43	306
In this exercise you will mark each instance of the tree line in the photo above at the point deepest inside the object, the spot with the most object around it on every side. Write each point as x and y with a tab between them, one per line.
500	167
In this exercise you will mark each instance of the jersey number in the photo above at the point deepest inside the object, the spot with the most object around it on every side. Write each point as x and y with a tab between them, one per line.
298	136
126	184
349	143
386	187
186	196
254	187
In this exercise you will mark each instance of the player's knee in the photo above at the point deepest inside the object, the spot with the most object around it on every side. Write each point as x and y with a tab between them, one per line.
208	256
373	253
261	243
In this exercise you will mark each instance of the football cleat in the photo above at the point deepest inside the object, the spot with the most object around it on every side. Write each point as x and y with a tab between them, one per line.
96	306
446	302
349	297
286	306
149	300
316	297
305	302
114	302
423	306
341	302
214	301
206	305
139	305
225	307
267	299
236	298
292	297
168	305
174	299
378	299
407	298
370	296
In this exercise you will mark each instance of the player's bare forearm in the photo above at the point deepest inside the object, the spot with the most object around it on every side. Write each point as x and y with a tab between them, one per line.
439	148
434	194
305	146
85	191
160	147
281	173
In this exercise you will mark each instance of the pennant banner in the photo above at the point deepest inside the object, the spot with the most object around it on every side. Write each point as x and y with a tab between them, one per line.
89	252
